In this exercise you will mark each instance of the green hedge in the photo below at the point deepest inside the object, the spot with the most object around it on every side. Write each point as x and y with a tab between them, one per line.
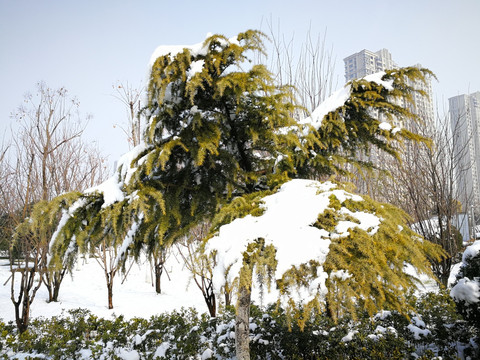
434	330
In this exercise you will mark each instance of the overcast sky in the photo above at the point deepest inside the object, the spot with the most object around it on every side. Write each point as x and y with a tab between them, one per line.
87	46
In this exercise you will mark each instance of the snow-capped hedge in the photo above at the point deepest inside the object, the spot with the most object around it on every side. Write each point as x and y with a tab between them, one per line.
466	290
434	330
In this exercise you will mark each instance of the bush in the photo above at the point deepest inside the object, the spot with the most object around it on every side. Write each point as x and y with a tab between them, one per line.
466	290
435	330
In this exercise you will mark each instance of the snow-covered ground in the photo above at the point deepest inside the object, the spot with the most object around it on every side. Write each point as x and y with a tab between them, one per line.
136	297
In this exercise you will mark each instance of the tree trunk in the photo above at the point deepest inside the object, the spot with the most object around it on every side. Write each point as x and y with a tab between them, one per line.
53	281
210	299
158	276
110	294
242	325
58	277
159	257
27	292
48	284
56	290
109	276
23	319
228	298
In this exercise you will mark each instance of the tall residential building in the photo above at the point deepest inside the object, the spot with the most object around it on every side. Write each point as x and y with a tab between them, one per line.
367	62
465	123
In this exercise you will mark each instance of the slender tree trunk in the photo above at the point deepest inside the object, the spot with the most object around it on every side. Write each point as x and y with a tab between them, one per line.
209	296
242	324
53	281
26	294
110	293
48	285
158	276
57	281
23	319
212	305
242	321
228	298
56	291
109	276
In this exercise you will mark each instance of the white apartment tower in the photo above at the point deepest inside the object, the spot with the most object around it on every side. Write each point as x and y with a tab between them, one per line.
367	62
464	111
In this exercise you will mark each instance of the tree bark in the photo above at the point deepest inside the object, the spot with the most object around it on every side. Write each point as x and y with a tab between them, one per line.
110	294
158	277
209	297
242	324
53	281
57	281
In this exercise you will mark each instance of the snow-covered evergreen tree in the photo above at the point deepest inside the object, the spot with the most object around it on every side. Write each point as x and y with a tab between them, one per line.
220	136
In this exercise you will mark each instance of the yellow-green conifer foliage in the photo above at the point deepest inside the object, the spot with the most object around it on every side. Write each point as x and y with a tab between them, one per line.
355	126
366	267
214	130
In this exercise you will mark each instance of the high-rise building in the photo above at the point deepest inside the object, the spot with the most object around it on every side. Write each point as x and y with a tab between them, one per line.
464	111
367	62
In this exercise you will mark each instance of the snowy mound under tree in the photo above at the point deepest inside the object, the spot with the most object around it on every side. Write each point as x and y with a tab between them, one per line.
322	246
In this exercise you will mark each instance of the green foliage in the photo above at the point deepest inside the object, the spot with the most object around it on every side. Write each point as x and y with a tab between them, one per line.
184	334
469	274
374	260
239	207
447	329
260	258
354	126
211	135
207	129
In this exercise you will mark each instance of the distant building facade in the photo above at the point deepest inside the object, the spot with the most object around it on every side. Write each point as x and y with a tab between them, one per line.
464	111
367	62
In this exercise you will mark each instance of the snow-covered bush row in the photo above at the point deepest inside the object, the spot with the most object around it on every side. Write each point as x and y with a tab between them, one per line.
466	290
435	330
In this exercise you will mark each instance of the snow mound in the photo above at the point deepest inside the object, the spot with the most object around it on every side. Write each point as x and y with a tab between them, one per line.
287	224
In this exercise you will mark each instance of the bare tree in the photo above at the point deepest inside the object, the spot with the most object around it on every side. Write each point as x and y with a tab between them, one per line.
130	97
5	228
47	157
106	255
427	184
308	66
158	257
201	265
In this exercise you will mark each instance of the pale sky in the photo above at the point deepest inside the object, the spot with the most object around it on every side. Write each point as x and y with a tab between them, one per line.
87	46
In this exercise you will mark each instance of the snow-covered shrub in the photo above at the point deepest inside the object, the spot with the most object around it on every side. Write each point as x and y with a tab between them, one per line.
449	333
184	334
179	335
466	290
